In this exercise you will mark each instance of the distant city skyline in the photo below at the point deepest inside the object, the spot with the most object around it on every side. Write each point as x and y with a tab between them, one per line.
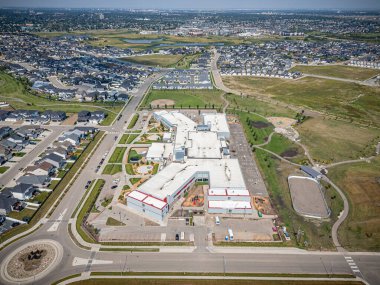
199	4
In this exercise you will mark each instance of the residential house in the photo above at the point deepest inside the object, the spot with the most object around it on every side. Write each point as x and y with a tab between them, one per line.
5	132
83	116
54	159
40	181
97	117
7	203
5	153
21	191
44	168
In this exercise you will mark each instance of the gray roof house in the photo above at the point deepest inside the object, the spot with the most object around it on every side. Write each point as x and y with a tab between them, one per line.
7	203
54	159
40	181
21	191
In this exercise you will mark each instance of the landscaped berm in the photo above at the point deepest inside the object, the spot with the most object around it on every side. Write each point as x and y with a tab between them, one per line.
32	261
159	103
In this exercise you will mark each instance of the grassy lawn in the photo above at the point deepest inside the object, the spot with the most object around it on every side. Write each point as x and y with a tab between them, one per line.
12	91
129	169
106	201
341	71
58	190
133	154
161	60
117	155
134	180
19	154
127	138
155	168
26	213
112	169
255	135
40	198
287	149
360	181
53	184
133	122
87	206
332	141
3	169
186	98
113	222
344	99
113	281
253	105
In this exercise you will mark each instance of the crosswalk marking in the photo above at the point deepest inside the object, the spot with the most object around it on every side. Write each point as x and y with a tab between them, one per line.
355	269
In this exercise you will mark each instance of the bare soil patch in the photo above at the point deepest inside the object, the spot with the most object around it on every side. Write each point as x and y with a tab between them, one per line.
260	124
70	121
162	103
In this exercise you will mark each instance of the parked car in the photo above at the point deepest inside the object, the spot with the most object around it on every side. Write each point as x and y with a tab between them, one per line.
2	219
113	186
15	224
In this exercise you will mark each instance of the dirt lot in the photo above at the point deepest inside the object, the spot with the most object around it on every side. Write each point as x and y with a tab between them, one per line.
162	102
307	198
281	122
70	121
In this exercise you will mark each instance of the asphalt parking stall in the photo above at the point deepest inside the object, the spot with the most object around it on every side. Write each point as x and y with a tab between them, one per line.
240	149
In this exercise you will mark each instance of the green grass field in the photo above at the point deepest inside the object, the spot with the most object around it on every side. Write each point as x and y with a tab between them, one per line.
12	91
26	213
117	155
255	135
360	181
186	98
133	122
340	71
161	60
113	222
347	100
185	62
112	169
129	169
332	140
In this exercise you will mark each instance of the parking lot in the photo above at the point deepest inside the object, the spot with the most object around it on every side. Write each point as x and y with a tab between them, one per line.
243	229
240	149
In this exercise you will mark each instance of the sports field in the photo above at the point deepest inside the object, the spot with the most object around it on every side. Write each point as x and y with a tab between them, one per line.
13	92
340	71
361	183
347	100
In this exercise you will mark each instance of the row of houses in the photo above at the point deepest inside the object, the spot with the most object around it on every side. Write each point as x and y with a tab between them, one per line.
12	141
32	116
37	177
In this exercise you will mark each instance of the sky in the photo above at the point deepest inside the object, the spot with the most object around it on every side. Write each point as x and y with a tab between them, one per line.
199	4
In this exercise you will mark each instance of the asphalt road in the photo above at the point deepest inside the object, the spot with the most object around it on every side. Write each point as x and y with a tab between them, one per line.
204	261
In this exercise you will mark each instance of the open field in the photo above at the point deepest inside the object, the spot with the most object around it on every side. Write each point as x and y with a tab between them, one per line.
18	97
161	60
341	71
332	141
351	101
253	105
186	98
185	62
113	281
361	183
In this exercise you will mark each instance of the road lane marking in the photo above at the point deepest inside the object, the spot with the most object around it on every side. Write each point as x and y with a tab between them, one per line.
55	225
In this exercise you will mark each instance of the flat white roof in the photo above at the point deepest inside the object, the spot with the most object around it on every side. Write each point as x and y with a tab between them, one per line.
217	121
137	195
223	173
160	150
217	192
154	202
229	204
146	199
237	192
203	145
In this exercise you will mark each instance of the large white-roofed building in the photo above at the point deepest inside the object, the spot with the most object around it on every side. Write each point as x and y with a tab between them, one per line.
196	154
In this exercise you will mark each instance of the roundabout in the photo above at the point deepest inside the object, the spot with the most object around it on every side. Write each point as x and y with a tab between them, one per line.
31	261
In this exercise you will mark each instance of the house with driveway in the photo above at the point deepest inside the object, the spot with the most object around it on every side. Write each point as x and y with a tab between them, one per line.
40	181
21	191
